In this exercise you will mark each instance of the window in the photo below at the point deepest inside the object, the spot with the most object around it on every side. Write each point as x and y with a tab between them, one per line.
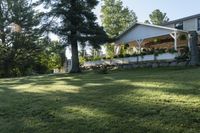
179	25
198	24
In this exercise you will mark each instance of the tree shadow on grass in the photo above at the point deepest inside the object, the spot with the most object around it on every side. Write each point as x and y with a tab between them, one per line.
103	104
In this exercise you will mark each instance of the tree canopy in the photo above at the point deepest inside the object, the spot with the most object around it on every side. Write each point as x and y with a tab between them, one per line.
157	17
22	44
115	17
77	25
19	35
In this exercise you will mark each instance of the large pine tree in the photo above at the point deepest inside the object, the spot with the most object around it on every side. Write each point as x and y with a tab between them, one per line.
19	35
77	24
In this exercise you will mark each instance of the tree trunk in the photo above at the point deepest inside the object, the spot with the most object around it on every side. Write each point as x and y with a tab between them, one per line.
75	58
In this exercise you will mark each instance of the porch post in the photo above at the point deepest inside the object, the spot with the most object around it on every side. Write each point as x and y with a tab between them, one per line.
189	36
175	36
175	41
117	49
139	42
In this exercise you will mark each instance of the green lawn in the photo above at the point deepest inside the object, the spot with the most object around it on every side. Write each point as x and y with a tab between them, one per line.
131	101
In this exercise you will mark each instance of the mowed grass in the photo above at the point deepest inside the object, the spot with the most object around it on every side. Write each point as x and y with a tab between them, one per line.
163	100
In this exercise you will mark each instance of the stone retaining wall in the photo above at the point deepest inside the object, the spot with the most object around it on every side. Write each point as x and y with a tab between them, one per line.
151	64
131	60
155	64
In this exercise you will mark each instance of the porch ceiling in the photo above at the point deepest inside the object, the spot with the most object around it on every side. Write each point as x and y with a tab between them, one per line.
151	39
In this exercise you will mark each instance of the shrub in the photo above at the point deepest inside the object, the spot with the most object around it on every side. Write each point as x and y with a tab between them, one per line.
115	57
16	72
96	58
134	55
184	54
121	56
126	46
182	58
82	60
183	37
127	55
172	50
101	69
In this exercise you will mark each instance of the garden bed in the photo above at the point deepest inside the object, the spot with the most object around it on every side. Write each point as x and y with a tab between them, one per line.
136	59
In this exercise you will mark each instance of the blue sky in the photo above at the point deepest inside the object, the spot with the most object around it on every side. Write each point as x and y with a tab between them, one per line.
174	8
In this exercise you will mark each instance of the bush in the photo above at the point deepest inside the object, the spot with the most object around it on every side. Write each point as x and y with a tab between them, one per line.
82	60
134	55
184	54
182	58
172	50
127	55
183	37
101	69
15	72
121	56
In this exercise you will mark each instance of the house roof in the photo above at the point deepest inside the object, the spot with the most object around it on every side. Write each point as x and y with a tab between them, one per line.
150	25
182	19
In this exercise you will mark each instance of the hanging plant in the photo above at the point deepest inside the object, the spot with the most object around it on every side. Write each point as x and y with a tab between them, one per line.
126	46
183	37
157	40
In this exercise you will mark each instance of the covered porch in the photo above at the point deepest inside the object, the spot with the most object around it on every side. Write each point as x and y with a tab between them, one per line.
145	39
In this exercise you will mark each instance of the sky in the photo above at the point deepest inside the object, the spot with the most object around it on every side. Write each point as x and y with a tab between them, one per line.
175	9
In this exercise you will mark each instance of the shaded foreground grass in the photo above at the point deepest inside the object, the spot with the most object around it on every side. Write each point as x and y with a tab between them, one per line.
133	101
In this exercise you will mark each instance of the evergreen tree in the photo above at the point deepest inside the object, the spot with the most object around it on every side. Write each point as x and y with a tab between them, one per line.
19	36
77	25
158	18
116	18
147	22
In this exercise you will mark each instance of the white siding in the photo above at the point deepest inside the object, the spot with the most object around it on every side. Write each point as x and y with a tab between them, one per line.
142	32
170	25
190	25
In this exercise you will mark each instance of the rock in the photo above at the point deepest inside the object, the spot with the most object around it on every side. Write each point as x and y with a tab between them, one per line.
182	64
135	65
164	64
173	64
155	65
129	66
149	64
142	65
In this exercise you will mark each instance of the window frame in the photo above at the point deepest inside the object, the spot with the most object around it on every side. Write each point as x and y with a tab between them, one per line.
175	25
198	24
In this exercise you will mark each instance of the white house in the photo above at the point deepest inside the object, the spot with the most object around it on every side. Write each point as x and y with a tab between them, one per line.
140	33
141	37
191	23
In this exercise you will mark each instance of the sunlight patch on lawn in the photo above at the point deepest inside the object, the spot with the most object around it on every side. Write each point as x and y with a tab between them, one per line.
93	84
82	111
46	88
32	122
158	97
157	125
158	85
144	84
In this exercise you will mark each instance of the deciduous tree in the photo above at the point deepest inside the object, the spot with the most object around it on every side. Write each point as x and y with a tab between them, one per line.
115	17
